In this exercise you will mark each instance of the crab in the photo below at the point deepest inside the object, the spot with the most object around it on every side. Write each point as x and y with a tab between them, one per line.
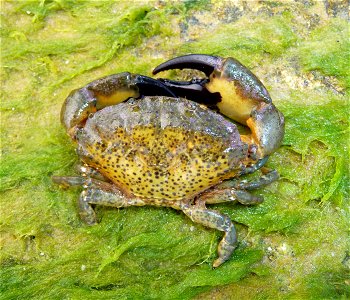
145	141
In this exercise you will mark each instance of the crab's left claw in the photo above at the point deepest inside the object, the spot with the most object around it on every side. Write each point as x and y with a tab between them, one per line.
236	92
106	91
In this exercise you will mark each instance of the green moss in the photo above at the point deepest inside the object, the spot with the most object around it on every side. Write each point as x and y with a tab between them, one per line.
327	284
39	10
295	240
329	159
327	50
247	39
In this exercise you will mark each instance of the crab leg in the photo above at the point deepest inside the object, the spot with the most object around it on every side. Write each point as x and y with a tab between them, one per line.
266	178
102	193
68	181
214	219
89	172
243	97
106	194
230	195
104	92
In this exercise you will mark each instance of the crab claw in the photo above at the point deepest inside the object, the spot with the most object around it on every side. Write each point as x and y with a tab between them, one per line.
104	92
236	92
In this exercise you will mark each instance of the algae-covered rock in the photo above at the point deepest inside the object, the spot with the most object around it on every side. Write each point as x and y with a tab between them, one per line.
294	245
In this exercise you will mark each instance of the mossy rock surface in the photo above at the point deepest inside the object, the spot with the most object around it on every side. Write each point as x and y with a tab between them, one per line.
293	246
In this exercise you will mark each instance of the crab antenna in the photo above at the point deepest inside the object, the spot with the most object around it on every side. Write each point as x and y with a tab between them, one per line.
200	62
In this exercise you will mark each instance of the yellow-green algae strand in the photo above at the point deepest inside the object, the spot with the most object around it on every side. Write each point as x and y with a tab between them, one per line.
296	242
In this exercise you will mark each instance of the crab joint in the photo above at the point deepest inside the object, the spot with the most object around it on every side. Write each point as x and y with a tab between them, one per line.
267	126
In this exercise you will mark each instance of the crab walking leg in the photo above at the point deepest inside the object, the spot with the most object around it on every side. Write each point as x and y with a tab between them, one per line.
105	194
86	212
68	181
266	178
89	172
102	193
98	192
214	219
101	197
230	195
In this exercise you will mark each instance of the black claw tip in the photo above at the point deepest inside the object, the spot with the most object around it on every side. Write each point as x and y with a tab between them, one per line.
201	62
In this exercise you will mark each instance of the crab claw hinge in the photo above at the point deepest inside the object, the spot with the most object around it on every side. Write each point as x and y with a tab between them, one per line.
236	92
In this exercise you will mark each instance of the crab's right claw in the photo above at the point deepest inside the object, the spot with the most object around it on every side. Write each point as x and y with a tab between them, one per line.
242	97
104	92
239	88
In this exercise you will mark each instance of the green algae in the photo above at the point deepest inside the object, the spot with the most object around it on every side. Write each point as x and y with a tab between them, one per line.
52	47
332	134
327	51
247	39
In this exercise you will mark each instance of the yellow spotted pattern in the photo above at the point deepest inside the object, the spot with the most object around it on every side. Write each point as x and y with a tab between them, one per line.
168	164
161	147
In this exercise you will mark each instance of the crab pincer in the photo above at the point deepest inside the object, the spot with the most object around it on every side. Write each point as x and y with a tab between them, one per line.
236	93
